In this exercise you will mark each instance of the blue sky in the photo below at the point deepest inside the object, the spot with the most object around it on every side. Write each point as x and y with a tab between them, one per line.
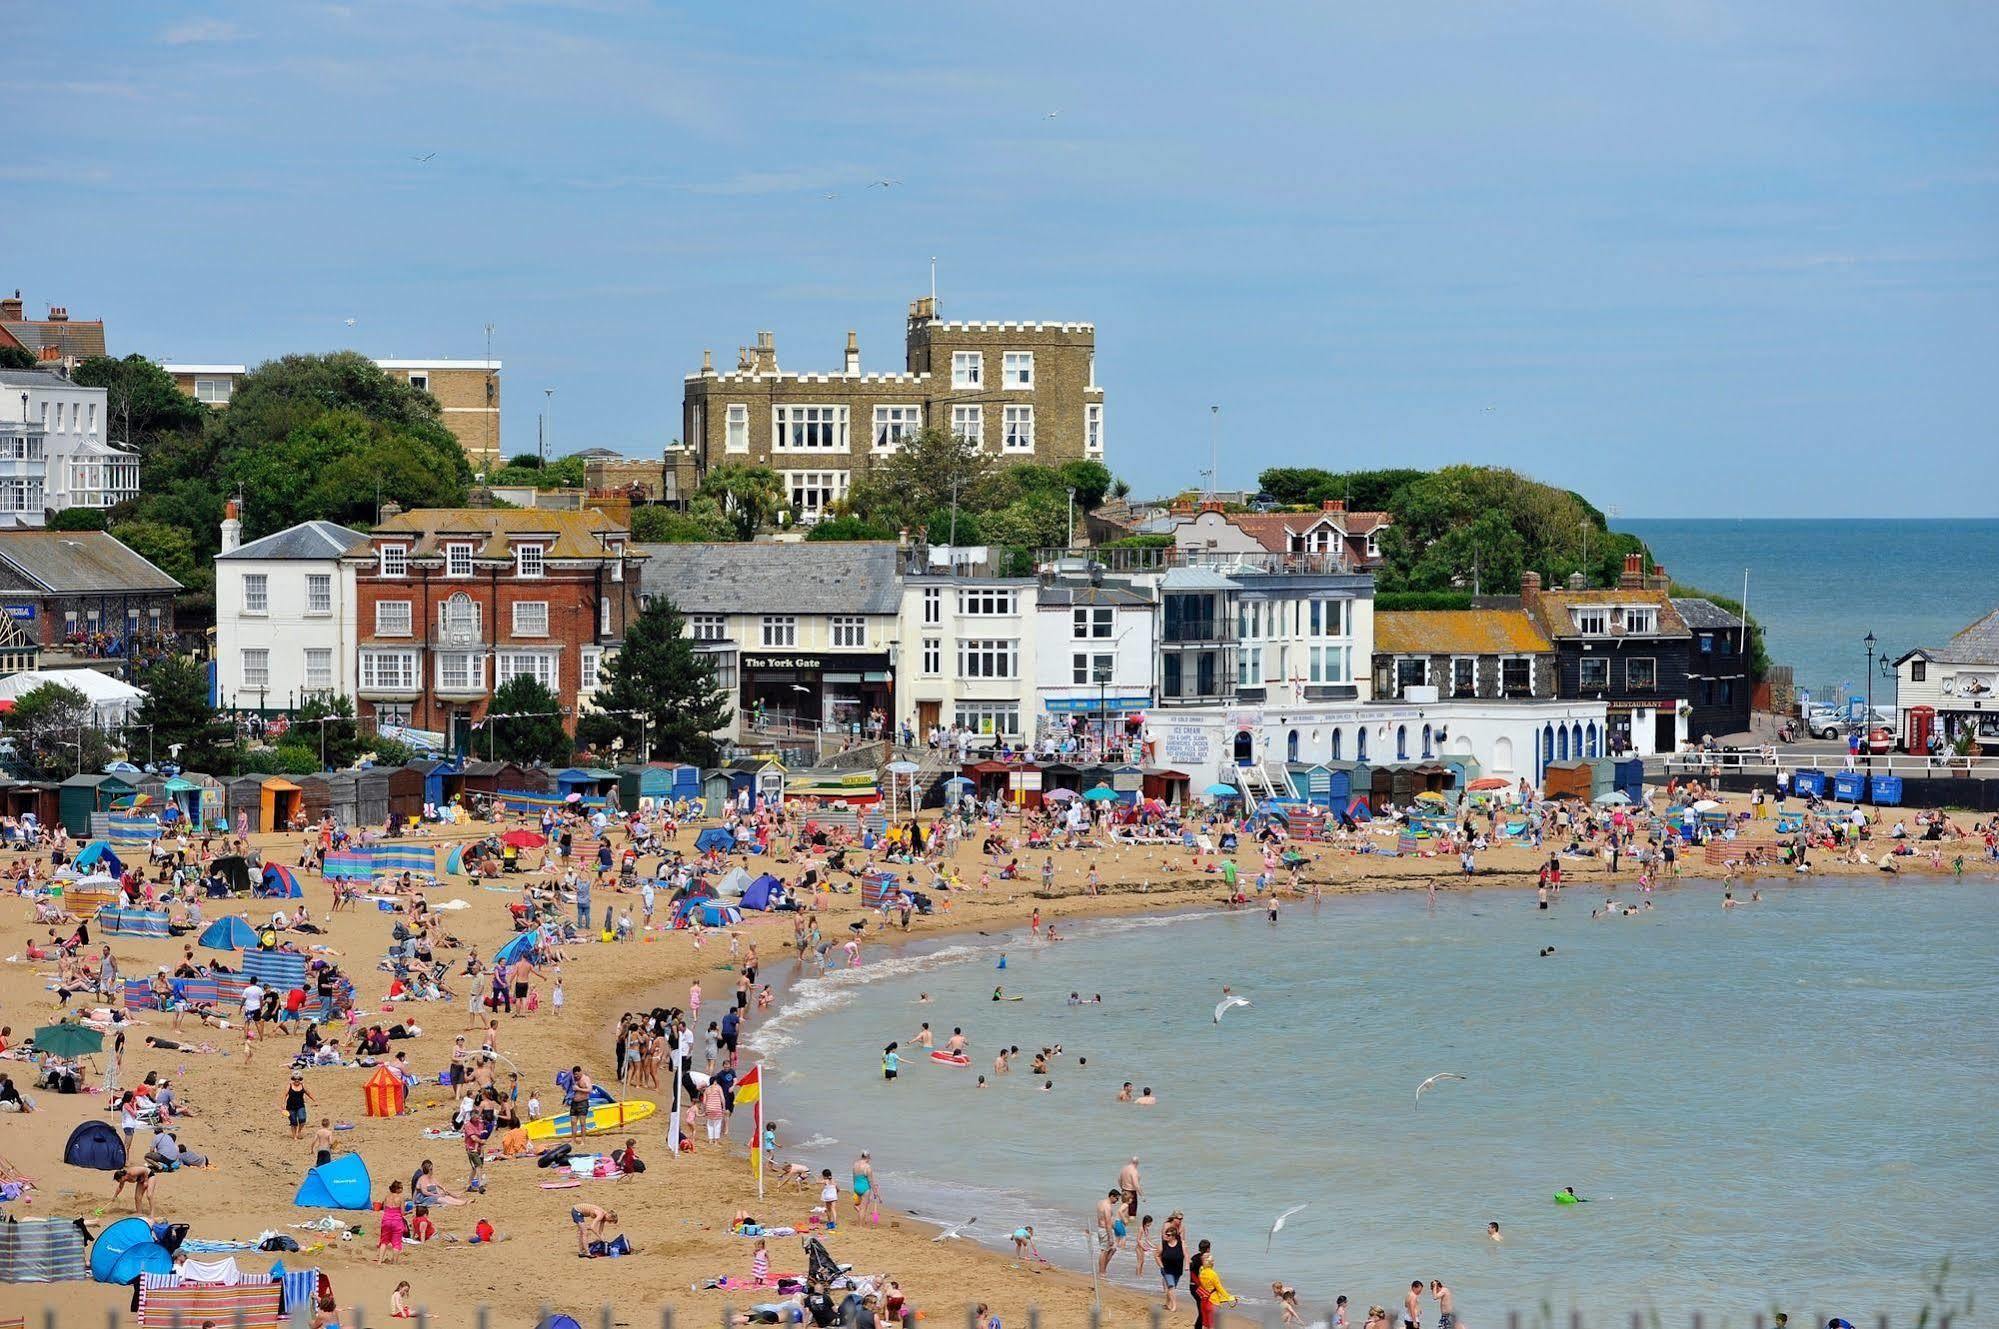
1687	256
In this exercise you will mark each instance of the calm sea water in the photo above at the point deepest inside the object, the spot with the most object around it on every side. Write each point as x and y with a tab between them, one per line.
1781	1107
1819	587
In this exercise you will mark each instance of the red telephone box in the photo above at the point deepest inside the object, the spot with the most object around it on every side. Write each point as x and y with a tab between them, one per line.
1922	723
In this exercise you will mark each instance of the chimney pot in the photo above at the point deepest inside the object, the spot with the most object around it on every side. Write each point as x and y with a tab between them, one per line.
57	314
1634	572
1333	505
707	361
1212	505
853	352
390	508
1529	581
232	527
49	354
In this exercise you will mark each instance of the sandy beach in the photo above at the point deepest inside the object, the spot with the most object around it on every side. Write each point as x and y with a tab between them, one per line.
676	1214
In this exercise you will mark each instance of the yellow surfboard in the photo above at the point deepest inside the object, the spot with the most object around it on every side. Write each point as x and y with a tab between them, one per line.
604	1117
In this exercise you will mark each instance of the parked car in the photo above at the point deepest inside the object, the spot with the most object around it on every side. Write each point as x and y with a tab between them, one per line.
1825	721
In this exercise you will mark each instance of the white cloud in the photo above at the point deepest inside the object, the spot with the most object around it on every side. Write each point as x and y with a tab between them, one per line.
201	30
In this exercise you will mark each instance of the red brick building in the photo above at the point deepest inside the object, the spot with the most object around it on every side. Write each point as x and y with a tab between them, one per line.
453	602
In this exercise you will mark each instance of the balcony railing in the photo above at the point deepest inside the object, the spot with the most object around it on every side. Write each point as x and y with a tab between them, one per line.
1259	562
1183	630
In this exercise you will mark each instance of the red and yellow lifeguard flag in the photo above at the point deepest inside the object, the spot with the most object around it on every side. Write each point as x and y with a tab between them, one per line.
750	1091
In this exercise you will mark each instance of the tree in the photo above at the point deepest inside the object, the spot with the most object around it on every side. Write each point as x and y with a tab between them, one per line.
1363	491
749	496
342	744
77	519
176	706
702	522
925	477
659	679
336	466
849	527
146	408
524	724
58	730
15	357
168	548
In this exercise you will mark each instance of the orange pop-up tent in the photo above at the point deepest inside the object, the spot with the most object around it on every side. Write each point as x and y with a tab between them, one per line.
383	1094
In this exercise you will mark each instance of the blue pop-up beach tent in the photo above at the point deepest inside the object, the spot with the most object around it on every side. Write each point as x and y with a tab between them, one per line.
279	883
715	837
763	893
340	1184
229	933
114	1241
98	854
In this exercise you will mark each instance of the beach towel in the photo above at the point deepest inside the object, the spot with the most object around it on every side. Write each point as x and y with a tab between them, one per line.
221	1273
300	1288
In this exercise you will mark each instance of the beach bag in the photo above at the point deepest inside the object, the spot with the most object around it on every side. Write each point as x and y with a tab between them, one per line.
555	1157
611	1249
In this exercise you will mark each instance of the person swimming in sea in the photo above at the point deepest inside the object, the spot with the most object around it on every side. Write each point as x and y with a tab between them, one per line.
999	993
1492	1232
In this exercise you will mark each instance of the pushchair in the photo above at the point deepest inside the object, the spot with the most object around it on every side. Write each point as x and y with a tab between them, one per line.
820	1267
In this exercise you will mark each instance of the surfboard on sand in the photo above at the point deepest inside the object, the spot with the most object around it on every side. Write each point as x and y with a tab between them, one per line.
604	1117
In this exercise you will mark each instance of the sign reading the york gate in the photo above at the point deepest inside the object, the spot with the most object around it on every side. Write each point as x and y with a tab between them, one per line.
806	662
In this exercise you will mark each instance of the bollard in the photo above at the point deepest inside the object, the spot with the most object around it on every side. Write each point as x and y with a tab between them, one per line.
1033	1317
479	1320
604	1318
666	1317
422	1318
360	1318
1159	1318
1096	1316
728	1314
1697	1320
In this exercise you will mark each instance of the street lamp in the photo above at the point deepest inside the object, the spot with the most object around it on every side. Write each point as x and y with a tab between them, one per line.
1867	722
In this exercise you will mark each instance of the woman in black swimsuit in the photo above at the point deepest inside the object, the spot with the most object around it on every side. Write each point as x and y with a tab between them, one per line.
1172	1257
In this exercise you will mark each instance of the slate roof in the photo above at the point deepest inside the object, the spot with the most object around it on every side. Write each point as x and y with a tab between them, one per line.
813	577
1977	644
1551	609
1458	632
1705	615
77	337
572	534
307	540
34	378
80	562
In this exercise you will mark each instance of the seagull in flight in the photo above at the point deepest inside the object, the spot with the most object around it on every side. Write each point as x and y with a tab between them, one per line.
423	157
1227	1004
884	184
348	321
831	196
956	1231
1278	1226
1446	1075
1051	115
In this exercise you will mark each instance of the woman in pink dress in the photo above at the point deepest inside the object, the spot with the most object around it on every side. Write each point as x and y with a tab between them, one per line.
714	1106
390	1244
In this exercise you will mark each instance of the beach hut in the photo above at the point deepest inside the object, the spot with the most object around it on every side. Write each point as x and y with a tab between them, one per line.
1169	786
989	778
405	791
715	791
575	780
315	793
280	802
243	799
1060	775
82	795
489	777
1569	780
40	799
442	780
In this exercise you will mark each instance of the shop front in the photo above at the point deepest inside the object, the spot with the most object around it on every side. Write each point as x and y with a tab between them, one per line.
815	691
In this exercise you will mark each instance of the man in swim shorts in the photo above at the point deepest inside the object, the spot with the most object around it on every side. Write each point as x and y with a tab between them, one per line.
1107	1211
1447	1315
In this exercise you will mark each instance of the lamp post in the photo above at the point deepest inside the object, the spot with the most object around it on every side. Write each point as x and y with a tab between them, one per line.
1867	721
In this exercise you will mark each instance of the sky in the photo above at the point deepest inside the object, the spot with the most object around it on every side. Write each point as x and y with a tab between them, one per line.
1689	257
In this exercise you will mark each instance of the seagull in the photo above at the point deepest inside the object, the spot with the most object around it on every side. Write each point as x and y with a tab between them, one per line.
955	1232
1051	115
832	196
1227	1004
884	184
1278	1226
1446	1075
424	157
348	321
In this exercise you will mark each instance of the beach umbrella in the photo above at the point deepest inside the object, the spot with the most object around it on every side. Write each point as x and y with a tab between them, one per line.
523	839
1706	805
574	798
1101	793
1058	795
95	879
1615	798
902	768
1488	782
68	1040
1429	796
1220	790
963	780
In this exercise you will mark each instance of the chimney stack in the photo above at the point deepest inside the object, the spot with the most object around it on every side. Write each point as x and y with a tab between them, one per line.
390	508
853	353
707	363
1530	582
1332	505
49	354
11	309
1578	582
1634	573
764	357
57	314
922	309
232	527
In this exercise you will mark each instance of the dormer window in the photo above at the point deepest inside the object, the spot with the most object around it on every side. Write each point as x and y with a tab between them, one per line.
1641	622
395	560
457	560
1592	622
529	560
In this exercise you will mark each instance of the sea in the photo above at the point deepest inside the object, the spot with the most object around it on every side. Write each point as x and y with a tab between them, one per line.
1819	587
1786	1106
